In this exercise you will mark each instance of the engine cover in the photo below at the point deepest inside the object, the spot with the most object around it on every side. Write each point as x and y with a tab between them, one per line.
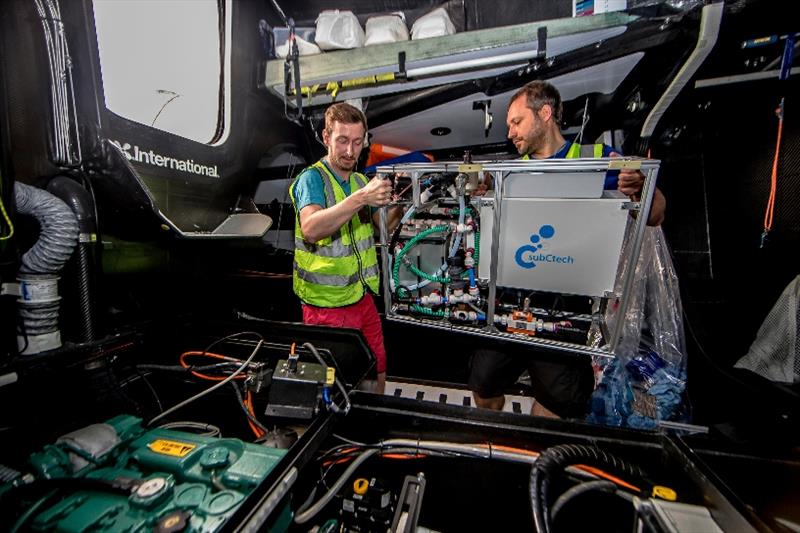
158	479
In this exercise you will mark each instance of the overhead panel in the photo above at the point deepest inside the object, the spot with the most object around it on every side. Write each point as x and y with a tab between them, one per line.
395	67
422	131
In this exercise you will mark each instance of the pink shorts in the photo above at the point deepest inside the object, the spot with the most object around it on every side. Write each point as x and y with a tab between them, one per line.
361	315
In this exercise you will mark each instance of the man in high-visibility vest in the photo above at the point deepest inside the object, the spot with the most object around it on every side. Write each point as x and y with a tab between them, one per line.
335	264
561	387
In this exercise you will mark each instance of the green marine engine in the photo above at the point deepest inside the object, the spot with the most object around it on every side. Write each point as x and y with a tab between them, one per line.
118	476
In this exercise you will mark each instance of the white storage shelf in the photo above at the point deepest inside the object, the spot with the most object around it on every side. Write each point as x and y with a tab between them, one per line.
470	55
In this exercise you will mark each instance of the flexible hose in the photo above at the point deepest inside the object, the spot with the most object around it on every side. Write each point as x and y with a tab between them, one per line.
410	244
79	200
337	379
557	458
581	488
58	233
85	293
429	312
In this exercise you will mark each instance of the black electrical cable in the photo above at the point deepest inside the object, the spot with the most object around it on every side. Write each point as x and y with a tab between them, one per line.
601	485
280	12
143	376
221	383
247	412
337	380
179	368
554	460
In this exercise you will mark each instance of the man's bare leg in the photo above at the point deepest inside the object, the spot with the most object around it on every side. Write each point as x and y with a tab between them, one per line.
493	402
376	386
540	410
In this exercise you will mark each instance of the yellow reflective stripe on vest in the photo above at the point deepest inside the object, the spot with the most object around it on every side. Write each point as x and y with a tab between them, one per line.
585	151
336	248
577	151
334	280
330	195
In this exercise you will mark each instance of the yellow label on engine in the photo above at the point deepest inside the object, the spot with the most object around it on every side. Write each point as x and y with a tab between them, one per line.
470	167
330	376
171	447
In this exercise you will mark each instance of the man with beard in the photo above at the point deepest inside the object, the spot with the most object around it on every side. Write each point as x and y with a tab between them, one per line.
335	264
561	387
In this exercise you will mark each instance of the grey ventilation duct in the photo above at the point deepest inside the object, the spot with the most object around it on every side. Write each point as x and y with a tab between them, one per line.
38	275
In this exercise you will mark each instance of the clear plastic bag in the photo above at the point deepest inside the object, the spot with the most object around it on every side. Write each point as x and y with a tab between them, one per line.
646	381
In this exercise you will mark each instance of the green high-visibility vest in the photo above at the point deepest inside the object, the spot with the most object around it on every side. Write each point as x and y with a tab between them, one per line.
577	151
337	270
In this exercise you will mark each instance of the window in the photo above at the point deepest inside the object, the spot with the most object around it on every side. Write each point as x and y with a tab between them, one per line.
162	64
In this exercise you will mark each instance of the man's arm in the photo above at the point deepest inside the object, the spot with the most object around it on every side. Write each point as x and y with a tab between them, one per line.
317	222
658	208
393	216
630	183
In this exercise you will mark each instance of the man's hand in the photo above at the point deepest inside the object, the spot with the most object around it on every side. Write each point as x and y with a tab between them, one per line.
484	185
629	182
377	193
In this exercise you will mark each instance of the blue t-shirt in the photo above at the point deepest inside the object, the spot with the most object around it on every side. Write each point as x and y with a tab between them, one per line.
310	189
612	176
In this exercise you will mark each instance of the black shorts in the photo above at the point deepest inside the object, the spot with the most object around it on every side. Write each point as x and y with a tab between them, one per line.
563	386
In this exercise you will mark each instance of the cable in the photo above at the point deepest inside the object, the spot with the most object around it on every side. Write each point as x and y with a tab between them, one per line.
6	218
338	381
311	512
348	441
221	383
408	447
280	12
289	173
184	369
31	511
208	430
553	460
143	377
250	416
577	490
770	211
226	358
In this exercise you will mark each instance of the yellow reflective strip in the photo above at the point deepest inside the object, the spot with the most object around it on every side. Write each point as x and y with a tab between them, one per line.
574	151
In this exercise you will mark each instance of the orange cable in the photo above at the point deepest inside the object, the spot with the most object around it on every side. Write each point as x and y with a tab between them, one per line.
402	456
589	469
248	402
605	475
509	449
184	364
768	215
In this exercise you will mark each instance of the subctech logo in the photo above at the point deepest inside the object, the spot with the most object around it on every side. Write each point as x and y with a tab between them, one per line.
529	254
134	153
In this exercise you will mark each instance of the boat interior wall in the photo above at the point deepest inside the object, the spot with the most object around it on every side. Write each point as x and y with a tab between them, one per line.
191	187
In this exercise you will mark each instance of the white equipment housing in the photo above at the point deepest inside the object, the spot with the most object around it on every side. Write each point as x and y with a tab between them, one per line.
547	227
